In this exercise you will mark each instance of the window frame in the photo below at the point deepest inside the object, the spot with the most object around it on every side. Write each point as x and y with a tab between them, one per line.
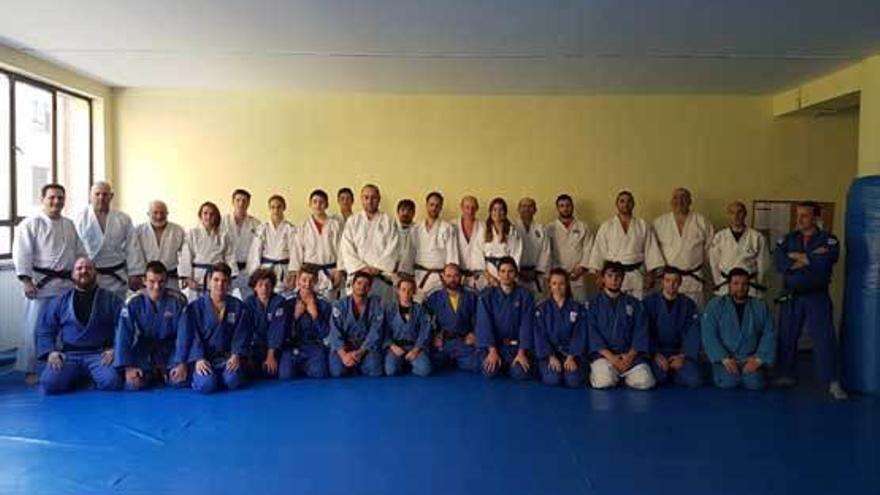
14	217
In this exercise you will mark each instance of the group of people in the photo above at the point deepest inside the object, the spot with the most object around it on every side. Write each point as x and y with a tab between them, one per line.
234	298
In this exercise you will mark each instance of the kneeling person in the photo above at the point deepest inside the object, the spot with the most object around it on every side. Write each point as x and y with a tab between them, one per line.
306	340
357	330
674	329
618	335
270	314
216	330
407	333
146	333
561	334
83	320
739	336
505	318
455	310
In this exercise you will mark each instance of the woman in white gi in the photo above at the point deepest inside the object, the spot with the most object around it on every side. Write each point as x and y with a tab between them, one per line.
275	247
206	244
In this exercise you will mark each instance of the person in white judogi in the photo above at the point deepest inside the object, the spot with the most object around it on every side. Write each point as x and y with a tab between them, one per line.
469	231
406	212
108	236
345	201
684	237
739	246
159	240
370	244
535	263
275	246
46	247
630	241
435	244
570	243
500	239
206	244
318	244
241	228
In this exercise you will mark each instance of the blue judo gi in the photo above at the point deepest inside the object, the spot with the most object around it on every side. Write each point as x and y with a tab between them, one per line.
561	331
453	325
408	333
146	335
304	342
725	337
674	328
354	332
82	342
267	319
506	322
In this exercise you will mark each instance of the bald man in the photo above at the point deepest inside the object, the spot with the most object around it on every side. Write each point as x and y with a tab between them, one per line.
469	232
684	237
535	259
108	237
370	244
159	240
739	246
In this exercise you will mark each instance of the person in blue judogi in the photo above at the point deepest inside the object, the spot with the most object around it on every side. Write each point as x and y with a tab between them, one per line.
270	312
214	334
674	328
455	310
146	333
738	335
561	334
505	325
305	340
357	331
806	259
618	335
408	329
82	320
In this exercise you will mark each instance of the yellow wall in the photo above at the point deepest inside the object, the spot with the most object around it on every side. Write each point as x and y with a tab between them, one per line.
869	128
102	97
207	143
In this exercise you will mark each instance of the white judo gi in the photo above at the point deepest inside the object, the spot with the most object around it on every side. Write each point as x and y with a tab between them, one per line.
201	250
242	236
373	243
750	253
322	250
569	248
470	255
636	248
275	248
535	257
113	249
434	248
495	249
167	250
687	250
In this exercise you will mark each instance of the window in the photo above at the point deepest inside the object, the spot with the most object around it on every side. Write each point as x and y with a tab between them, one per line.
45	136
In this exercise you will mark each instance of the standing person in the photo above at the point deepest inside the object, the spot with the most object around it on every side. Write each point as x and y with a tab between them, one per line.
806	258
435	245
345	200
739	246
406	211
318	245
570	245
159	240
469	232
45	249
370	244
535	267
684	237
206	244
108	237
629	241
561	334
241	228
500	240
275	247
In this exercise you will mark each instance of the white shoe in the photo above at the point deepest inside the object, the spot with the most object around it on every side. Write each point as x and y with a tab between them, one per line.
837	392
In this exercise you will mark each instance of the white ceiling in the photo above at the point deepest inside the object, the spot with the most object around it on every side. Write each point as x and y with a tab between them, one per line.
483	46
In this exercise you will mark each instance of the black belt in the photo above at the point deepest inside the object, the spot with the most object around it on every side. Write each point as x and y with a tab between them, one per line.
403	343
428	273
326	268
494	261
791	295
469	273
83	348
111	271
49	275
692	273
756	285
449	335
270	261
241	265
631	267
173	273
537	280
